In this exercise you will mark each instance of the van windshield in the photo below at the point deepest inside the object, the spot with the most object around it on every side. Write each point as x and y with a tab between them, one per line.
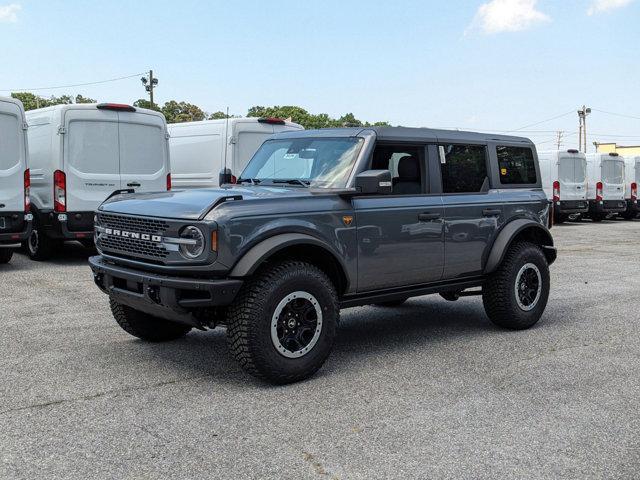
319	162
613	172
572	170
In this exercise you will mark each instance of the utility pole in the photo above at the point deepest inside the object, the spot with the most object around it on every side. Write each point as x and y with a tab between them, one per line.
149	84
559	140
582	129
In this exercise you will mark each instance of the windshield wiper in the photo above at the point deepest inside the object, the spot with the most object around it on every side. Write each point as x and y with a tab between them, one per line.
252	181
291	181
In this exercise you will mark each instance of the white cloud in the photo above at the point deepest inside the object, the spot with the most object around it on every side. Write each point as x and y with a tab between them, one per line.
498	16
599	6
9	13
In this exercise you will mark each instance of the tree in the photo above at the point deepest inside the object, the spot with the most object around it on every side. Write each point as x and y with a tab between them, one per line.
81	99
32	101
142	103
308	120
177	112
218	116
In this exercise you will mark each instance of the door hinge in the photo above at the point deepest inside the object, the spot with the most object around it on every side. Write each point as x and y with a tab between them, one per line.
61	130
233	140
167	136
25	126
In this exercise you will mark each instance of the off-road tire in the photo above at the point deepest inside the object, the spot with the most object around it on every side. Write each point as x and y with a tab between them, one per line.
5	255
498	292
249	321
39	247
598	217
144	326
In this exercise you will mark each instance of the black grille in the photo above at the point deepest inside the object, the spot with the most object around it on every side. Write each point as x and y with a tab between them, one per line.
128	246
132	224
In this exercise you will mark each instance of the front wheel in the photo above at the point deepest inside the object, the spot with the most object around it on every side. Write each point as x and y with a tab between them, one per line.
516	294
145	326
282	325
5	255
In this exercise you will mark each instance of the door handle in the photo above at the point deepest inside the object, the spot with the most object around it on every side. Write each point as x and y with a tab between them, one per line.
491	212
133	184
428	217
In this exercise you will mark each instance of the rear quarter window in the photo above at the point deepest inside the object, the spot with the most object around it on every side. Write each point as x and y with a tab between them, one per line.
517	165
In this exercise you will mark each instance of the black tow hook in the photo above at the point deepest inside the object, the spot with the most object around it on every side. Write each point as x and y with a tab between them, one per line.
154	294
98	278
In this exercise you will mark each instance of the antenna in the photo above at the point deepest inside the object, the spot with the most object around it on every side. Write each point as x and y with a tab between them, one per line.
226	140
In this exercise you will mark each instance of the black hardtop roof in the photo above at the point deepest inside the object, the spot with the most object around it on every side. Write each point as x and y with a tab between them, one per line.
406	134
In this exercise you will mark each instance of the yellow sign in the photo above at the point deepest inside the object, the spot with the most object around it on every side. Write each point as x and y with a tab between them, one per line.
347	219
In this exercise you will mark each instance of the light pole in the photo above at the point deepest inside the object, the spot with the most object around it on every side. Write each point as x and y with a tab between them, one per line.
149	84
582	129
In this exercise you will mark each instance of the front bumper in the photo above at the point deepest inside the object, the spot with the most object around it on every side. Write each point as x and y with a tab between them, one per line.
571	206
171	298
13	237
607	206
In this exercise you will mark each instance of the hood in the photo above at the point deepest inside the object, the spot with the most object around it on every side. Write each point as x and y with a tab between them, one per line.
191	204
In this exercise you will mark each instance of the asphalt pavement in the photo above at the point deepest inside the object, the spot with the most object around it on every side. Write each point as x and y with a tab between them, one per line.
424	391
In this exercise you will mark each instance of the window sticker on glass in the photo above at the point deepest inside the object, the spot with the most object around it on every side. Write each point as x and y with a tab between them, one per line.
289	156
503	172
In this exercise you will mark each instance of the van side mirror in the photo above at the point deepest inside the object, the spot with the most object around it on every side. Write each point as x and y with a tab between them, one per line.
225	176
374	182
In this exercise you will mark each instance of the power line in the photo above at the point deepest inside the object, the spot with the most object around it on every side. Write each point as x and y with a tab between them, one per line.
615	114
541	121
70	86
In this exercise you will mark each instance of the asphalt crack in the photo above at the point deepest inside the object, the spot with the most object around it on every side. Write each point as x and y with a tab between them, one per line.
114	392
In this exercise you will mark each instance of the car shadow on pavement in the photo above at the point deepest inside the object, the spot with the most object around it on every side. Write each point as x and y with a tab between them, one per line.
363	332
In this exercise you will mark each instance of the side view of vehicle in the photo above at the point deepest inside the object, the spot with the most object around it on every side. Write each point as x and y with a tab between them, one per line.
80	154
632	178
564	180
605	173
15	216
200	150
324	220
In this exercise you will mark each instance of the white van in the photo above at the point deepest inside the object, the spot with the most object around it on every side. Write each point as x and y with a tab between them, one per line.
80	155
632	178
605	172
15	219
564	179
198	148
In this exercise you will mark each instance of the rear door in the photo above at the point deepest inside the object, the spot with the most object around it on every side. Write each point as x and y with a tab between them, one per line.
613	178
572	175
91	160
144	152
247	138
12	159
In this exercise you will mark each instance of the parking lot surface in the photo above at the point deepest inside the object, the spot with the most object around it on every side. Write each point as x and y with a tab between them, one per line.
428	390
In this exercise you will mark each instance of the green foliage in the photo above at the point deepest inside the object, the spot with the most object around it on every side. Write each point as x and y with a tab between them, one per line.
177	112
309	120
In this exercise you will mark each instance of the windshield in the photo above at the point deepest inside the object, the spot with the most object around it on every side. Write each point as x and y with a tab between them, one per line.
613	172
319	162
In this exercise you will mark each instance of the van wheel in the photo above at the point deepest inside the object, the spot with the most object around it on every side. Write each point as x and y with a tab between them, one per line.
282	325
516	295
598	217
145	326
5	255
39	246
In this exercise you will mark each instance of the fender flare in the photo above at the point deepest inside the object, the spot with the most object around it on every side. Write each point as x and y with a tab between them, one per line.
254	257
506	237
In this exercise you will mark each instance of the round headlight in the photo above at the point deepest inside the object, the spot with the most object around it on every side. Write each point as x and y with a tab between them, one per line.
195	245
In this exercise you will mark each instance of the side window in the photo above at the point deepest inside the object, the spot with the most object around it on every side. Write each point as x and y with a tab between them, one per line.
405	164
517	166
464	169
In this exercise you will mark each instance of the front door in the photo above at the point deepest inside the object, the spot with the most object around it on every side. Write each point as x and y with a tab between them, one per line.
400	236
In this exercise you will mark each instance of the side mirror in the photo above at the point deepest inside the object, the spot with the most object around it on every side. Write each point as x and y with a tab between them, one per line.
225	176
374	182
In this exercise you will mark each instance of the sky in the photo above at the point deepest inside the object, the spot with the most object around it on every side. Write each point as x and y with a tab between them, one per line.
488	65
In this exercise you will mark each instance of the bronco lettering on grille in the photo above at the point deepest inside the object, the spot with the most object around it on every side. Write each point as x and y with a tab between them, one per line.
133	235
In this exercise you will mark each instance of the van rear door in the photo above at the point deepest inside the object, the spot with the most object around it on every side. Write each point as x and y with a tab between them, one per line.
572	175
12	159
91	160
248	136
144	163
613	178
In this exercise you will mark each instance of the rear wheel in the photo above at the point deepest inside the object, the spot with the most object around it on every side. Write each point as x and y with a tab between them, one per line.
39	246
516	295
5	255
145	326
598	217
282	326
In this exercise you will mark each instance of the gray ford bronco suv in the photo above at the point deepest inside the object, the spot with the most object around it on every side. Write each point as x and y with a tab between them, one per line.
330	219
